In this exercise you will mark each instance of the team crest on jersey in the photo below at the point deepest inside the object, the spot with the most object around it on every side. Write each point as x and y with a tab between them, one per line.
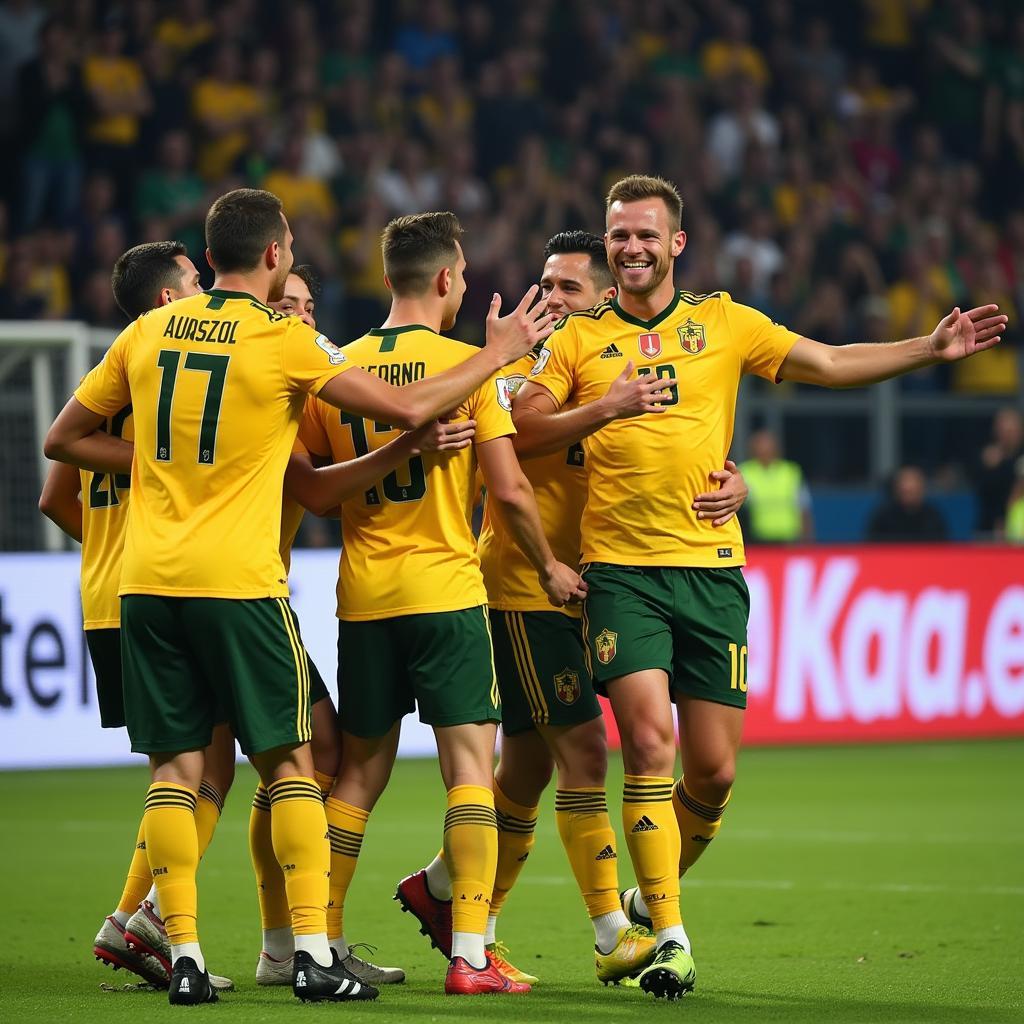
692	337
567	686
605	642
542	360
514	383
334	354
504	393
650	344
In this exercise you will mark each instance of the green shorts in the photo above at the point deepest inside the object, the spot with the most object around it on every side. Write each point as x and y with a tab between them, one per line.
440	662
690	622
542	671
105	655
186	658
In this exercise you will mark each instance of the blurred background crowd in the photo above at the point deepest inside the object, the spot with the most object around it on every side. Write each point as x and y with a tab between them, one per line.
852	169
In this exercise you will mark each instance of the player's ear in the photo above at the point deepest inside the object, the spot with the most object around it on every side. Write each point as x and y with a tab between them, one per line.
273	255
444	281
209	260
166	297
678	242
610	293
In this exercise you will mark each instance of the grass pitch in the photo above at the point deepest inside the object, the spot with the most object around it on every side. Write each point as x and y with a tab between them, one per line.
850	884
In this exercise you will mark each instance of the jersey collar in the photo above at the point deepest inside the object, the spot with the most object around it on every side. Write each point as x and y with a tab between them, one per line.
379	332
222	293
646	324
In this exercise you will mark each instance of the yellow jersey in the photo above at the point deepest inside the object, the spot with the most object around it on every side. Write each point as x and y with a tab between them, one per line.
291	517
104	518
560	486
408	544
217	384
643	473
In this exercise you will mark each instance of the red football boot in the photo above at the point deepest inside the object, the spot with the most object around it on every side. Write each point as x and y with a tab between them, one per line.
463	979
434	915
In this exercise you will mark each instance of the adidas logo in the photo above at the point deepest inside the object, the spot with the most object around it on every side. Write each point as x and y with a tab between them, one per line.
300	979
645	825
606	854
611	352
184	986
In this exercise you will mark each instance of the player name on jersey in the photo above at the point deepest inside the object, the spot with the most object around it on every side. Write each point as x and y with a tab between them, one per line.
189	328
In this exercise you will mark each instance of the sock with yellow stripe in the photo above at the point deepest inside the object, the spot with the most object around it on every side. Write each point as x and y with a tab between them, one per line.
589	841
172	848
325	782
275	917
346	826
516	824
208	810
299	832
471	853
138	882
698	824
652	835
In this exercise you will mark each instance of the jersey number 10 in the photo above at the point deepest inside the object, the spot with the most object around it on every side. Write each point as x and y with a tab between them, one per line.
394	490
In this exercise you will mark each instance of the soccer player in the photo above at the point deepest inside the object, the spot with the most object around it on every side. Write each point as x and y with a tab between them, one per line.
666	611
324	488
413	628
550	715
92	508
217	384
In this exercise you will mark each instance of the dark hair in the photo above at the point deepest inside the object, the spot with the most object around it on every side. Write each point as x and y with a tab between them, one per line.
416	247
566	242
308	276
644	186
143	272
240	226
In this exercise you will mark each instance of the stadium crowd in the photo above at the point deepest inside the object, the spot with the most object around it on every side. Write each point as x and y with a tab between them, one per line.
853	175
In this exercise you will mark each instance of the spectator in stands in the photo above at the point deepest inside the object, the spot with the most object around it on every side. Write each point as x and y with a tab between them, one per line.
1015	507
778	508
906	515
994	474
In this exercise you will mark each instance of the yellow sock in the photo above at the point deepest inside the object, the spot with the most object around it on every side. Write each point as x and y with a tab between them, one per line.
274	912
299	832
471	853
173	851
589	841
208	808
139	879
346	826
698	824
516	824
325	782
652	835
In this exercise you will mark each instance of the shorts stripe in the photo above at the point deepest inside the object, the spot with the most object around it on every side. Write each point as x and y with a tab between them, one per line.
302	729
495	692
586	641
520	672
528	671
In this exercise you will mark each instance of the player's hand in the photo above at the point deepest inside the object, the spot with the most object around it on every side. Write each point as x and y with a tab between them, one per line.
628	396
960	335
721	505
563	585
442	437
514	335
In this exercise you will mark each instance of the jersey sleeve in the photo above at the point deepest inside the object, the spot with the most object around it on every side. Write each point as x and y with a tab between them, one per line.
104	389
312	433
310	359
555	367
763	344
491	407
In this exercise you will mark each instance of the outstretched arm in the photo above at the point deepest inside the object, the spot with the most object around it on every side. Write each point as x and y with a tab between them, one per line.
957	336
511	496
59	500
508	338
541	428
323	489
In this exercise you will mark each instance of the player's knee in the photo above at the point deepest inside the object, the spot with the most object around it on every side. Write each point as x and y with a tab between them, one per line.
649	750
713	784
587	763
326	746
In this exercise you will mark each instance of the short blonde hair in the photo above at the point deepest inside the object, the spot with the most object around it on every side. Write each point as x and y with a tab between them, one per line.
645	186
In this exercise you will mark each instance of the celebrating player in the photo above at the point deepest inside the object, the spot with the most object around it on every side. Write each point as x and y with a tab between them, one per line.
216	383
550	715
145	277
414	629
666	612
